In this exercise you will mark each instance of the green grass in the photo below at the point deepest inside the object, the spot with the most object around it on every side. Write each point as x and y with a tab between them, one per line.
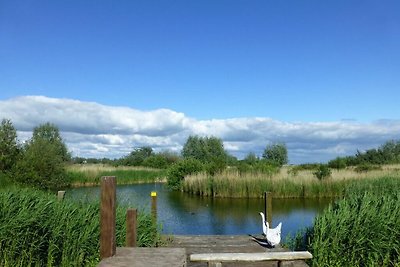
284	184
362	229
91	174
38	230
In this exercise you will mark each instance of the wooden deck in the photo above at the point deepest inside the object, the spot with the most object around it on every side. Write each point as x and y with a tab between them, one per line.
177	252
221	244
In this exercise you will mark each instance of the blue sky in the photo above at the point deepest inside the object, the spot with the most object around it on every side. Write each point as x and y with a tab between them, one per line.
294	62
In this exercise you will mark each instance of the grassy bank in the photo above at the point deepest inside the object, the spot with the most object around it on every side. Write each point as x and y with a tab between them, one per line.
286	183
363	229
90	174
38	230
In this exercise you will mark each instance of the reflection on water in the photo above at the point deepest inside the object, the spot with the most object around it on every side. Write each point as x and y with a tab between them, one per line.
181	213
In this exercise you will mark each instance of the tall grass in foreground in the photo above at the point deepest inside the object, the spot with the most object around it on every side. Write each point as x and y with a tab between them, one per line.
363	229
90	174
231	183
38	230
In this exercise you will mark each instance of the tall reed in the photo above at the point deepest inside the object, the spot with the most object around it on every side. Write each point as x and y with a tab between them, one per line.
38	230
360	230
90	174
231	183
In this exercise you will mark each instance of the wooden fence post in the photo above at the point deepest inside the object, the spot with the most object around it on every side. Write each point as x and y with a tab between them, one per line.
131	227
107	217
154	205
268	207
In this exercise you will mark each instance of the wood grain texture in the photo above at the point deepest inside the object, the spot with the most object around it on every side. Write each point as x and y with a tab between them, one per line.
107	217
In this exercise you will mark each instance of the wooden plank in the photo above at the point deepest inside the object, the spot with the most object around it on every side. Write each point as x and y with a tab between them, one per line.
131	227
263	256
107	217
144	257
196	244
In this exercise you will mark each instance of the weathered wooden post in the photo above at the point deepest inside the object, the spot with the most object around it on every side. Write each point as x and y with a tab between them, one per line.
60	195
268	207
154	205
107	216
131	227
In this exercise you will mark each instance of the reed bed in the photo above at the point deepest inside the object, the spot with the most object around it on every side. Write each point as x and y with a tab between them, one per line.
360	230
38	230
90	174
284	184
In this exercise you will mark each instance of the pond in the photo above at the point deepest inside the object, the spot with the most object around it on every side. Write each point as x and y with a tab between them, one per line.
180	213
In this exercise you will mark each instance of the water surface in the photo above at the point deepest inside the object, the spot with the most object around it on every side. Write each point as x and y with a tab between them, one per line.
180	213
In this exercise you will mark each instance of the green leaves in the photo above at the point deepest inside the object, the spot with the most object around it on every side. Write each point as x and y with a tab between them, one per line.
276	154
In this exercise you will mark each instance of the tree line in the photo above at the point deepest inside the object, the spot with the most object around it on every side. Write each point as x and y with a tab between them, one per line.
41	160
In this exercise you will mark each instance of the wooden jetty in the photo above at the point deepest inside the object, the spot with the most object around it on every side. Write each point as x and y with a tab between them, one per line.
195	250
216	244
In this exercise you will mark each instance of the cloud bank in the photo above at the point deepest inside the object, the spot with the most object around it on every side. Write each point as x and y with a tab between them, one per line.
94	130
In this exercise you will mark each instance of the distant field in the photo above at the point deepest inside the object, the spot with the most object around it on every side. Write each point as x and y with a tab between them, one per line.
286	183
90	174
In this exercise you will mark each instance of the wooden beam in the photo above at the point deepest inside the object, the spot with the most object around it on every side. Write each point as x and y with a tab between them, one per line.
131	227
259	256
107	216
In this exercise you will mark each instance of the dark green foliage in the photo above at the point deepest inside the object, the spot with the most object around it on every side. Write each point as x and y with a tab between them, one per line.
276	154
204	149
49	133
177	172
388	153
9	147
38	230
257	166
42	163
161	160
338	163
323	172
137	156
366	167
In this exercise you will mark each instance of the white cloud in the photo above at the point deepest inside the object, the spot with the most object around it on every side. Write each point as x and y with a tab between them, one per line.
94	130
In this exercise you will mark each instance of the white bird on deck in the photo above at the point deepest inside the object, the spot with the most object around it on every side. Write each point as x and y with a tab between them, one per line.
273	235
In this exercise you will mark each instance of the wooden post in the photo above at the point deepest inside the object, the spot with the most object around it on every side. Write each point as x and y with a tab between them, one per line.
60	195
154	205
107	217
268	207
131	227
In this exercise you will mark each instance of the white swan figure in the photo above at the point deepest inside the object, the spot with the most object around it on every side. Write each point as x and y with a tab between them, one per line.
273	235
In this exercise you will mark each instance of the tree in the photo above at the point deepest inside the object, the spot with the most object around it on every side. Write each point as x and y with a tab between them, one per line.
9	148
276	154
42	163
204	149
50	133
138	156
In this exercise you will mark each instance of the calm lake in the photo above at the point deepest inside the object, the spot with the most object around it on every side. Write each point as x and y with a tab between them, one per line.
180	213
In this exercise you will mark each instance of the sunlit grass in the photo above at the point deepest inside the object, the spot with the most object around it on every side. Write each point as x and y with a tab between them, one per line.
90	174
283	184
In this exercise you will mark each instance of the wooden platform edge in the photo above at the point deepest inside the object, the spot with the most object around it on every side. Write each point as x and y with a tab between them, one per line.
258	256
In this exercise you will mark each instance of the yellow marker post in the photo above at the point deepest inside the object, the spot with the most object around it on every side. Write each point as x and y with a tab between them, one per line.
154	205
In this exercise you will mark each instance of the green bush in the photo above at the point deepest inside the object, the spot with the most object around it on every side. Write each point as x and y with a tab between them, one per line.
338	163
365	167
322	172
177	172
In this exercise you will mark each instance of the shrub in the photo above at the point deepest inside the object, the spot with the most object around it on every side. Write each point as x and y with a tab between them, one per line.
323	172
338	163
365	167
276	154
177	172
